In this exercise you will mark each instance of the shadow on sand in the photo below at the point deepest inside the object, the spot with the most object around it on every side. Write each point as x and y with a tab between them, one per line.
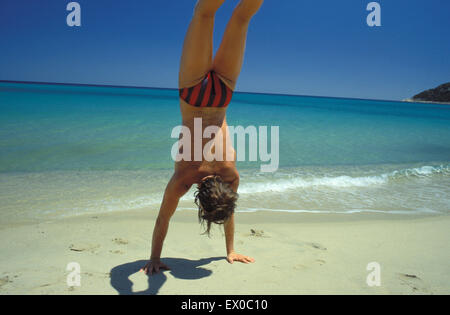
180	268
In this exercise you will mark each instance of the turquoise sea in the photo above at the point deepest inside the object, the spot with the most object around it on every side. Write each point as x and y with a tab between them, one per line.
67	150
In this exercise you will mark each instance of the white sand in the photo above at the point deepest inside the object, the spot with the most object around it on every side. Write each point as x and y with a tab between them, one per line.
295	254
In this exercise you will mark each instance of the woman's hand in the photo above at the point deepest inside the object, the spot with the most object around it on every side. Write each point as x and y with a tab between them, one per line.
231	257
153	266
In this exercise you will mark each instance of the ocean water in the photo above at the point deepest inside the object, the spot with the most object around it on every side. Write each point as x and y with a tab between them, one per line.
71	150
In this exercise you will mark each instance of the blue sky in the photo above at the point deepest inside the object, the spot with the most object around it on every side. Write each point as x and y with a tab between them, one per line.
322	48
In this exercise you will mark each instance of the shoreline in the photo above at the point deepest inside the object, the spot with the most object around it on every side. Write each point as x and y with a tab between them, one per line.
247	217
409	100
295	254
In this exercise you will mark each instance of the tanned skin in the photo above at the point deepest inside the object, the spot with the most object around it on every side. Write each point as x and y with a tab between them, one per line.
196	61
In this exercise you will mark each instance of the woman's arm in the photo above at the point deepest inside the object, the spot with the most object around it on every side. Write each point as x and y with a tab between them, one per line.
174	191
229	233
229	239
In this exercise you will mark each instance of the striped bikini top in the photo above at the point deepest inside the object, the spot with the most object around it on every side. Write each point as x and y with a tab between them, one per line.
210	92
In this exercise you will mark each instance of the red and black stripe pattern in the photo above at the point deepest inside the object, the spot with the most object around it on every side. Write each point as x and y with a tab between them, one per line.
211	92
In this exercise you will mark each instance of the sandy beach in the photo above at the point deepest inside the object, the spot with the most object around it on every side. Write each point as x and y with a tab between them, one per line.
295	254
339	171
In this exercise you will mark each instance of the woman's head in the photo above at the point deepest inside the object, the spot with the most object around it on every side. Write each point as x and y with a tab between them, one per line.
215	200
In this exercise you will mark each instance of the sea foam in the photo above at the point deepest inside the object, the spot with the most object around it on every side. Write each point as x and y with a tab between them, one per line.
342	181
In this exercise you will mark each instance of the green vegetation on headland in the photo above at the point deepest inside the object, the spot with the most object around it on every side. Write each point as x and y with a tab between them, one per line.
441	94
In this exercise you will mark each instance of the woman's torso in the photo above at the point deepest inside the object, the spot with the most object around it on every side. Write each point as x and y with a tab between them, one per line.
212	161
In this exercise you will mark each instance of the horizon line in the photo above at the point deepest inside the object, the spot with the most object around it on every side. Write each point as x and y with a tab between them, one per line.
175	89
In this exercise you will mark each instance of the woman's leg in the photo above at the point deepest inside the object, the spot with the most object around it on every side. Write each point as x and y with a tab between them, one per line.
230	55
196	59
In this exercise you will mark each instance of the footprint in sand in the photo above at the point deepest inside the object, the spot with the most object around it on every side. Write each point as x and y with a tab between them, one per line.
311	255
4	281
83	248
257	233
321	262
414	282
120	241
309	263
300	267
317	246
